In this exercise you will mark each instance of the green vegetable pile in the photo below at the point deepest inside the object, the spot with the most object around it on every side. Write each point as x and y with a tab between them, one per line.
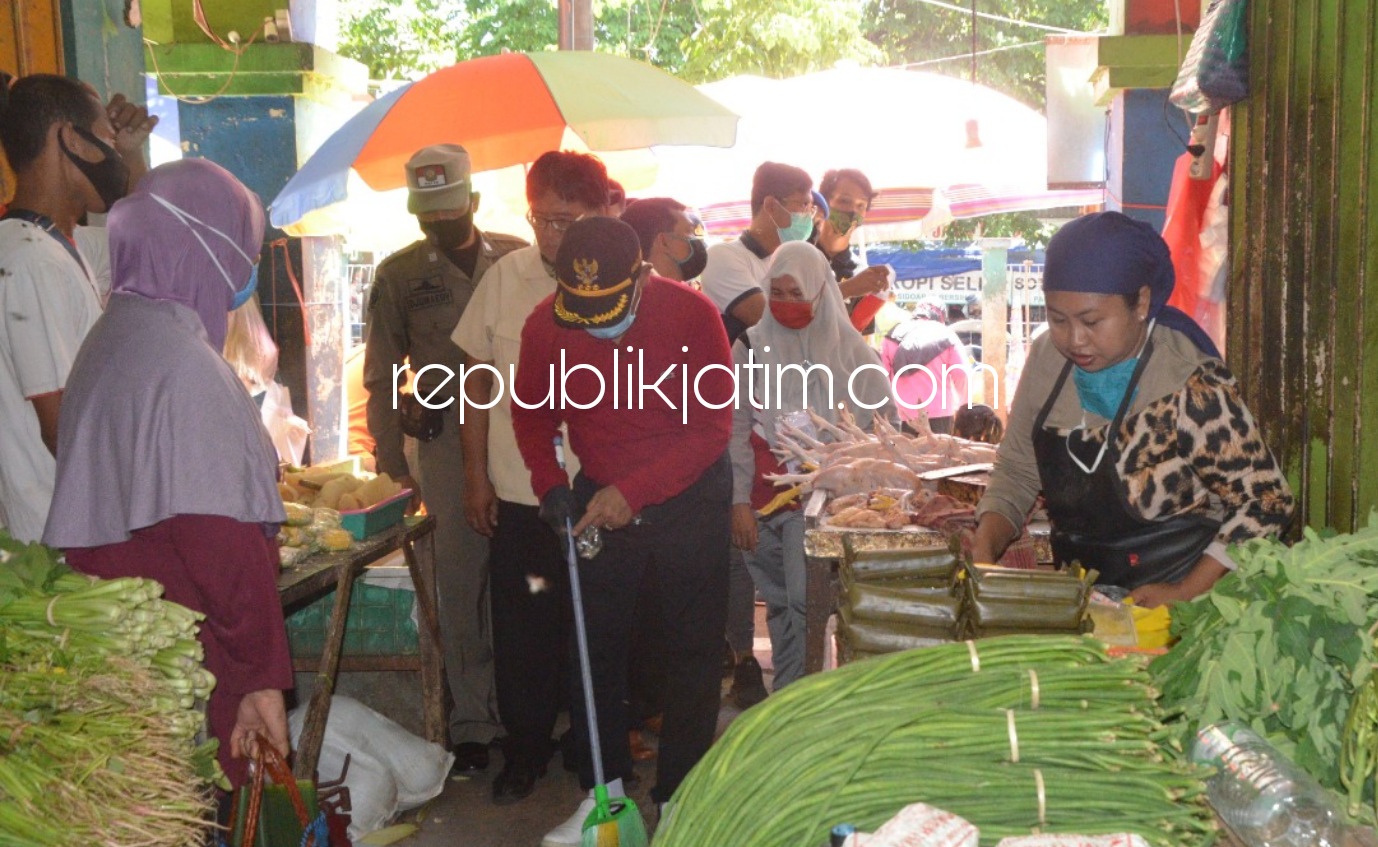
1283	644
1017	734
99	686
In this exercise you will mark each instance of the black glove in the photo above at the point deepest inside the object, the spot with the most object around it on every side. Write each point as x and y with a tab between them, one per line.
557	508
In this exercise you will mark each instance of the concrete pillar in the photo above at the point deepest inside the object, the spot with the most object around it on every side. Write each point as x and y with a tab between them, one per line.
255	138
1142	153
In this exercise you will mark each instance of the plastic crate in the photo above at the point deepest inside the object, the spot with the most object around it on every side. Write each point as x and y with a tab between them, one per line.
379	624
378	517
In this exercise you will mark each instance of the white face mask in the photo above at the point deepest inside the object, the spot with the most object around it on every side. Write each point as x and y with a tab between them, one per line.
188	219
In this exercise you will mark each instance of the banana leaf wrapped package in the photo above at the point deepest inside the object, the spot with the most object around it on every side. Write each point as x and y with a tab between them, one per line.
931	563
931	607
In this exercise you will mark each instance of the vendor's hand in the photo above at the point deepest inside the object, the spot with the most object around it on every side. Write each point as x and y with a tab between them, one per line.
408	481
481	506
608	509
260	712
1156	594
743	527
558	509
873	280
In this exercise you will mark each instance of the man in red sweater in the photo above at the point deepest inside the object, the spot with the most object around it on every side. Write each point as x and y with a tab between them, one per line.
638	369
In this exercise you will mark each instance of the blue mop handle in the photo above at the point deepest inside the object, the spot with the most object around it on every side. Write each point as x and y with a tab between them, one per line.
581	635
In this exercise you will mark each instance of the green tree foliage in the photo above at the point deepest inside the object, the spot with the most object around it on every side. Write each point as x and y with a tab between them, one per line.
703	40
642	29
774	38
1025	226
929	37
400	39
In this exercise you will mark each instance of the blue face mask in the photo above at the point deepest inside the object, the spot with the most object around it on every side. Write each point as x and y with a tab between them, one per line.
617	329
800	227
1101	391
242	296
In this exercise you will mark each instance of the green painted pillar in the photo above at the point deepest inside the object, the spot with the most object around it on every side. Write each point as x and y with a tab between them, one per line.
1303	315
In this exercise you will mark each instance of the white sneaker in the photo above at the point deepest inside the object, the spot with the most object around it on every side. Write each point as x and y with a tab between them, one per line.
571	832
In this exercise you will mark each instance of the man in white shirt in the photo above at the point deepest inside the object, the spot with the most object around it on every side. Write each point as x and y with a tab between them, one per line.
781	210
528	582
61	143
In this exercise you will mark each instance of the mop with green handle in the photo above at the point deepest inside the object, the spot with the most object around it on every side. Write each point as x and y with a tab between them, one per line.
614	821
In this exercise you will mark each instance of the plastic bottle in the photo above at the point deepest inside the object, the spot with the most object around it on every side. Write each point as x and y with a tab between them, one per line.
1261	795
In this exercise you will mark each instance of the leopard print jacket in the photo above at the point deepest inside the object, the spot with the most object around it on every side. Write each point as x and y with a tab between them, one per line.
1199	450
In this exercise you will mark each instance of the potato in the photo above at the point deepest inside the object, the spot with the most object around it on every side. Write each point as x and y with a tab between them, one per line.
329	497
376	490
349	502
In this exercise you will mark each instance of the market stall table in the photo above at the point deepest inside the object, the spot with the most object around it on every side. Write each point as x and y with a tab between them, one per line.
317	574
824	547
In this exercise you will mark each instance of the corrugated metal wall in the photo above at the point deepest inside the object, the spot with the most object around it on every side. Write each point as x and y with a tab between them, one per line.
1303	335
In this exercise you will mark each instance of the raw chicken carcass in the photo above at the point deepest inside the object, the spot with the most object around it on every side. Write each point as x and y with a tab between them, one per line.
855	477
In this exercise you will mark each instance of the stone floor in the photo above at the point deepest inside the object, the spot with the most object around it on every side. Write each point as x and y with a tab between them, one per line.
464	815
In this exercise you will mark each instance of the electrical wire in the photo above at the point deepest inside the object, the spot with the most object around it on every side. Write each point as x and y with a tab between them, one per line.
185	98
960	56
233	46
1167	101
1003	19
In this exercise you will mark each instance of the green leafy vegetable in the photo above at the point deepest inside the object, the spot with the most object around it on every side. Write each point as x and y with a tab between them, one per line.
1283	644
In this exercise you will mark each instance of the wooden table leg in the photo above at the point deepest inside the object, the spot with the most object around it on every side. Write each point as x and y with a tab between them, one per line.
433	689
318	711
820	599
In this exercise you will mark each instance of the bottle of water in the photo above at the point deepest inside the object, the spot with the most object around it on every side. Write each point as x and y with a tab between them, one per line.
1264	798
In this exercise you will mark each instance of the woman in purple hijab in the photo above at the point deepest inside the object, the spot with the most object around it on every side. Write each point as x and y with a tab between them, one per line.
165	470
1131	426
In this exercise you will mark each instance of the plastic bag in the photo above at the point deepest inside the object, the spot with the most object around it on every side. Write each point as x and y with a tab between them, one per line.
1215	72
390	769
289	432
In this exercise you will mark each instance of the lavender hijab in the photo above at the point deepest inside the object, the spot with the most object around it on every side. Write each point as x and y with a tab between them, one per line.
190	234
154	422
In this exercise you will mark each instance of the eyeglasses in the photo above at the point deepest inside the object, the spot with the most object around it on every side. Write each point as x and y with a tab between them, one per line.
798	207
539	223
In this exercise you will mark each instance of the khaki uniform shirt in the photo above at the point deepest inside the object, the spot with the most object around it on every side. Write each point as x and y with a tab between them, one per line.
417	298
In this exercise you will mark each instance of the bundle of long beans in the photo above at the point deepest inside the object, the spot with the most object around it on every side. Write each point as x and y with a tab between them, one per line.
99	686
1017	734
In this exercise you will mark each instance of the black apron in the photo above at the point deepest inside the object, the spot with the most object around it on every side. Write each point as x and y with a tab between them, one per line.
1092	521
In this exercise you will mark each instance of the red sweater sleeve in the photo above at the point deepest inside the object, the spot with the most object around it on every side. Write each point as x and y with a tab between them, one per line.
697	444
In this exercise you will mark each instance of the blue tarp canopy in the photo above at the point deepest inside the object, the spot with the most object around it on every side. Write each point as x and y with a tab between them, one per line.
921	264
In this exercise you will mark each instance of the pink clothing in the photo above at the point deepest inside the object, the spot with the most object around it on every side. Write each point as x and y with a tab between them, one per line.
945	381
227	570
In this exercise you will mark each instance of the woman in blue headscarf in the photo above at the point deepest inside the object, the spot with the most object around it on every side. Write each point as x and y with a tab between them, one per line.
1148	460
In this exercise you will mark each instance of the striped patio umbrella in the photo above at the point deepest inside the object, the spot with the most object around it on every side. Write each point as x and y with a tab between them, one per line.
506	110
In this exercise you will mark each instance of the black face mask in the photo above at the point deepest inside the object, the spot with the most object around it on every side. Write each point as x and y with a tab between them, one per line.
691	267
450	233
109	176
